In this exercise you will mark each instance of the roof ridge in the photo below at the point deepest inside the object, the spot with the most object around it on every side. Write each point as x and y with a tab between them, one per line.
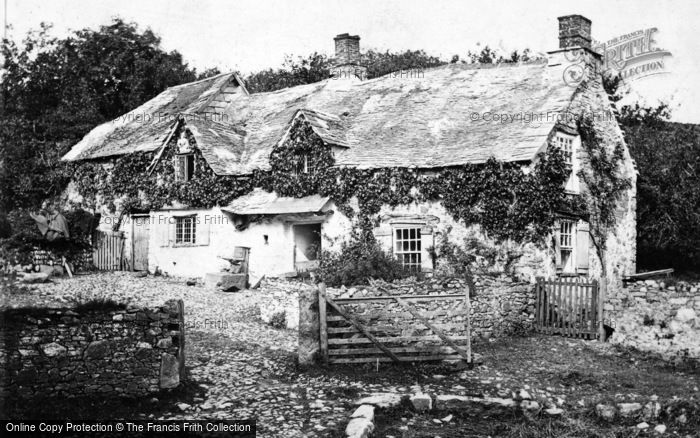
199	81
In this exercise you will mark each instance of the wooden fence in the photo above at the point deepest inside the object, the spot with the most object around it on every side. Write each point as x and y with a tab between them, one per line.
568	306
398	328
108	251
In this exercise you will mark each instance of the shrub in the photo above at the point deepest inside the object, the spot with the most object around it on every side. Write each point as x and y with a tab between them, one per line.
481	255
358	260
278	320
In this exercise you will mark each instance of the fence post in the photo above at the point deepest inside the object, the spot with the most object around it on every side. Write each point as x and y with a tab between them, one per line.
308	348
323	325
601	304
468	310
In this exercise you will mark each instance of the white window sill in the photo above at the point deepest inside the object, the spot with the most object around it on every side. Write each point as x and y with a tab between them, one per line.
183	245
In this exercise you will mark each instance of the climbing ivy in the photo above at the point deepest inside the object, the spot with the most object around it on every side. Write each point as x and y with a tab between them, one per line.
508	200
604	184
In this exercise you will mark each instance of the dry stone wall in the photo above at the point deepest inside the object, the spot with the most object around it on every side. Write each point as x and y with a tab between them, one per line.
500	307
69	352
657	317
277	297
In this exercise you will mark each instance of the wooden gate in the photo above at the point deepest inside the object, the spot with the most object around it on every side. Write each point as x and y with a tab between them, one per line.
568	306
108	251
140	225
399	328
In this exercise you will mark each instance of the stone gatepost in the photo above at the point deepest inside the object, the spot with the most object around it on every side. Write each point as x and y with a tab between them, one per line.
172	366
309	342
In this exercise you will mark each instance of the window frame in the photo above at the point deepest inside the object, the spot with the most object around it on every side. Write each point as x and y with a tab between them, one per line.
301	164
413	264
180	231
182	161
568	145
567	245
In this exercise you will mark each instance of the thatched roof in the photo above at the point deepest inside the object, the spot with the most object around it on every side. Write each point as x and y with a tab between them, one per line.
391	121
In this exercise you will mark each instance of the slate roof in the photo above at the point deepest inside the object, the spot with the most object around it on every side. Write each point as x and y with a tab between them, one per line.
261	202
392	121
146	127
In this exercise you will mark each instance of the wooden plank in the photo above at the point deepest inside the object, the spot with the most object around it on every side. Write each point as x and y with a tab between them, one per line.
402	314
569	307
428	324
398	350
323	326
547	305
159	154
391	328
594	307
354	322
582	325
540	304
560	314
645	275
468	311
385	359
586	308
390	339
577	310
602	297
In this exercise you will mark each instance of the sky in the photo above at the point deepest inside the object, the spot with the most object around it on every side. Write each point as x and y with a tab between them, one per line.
251	35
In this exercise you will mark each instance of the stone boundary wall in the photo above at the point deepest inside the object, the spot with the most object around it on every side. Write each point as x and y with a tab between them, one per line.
82	262
280	296
68	352
659	318
48	262
500	307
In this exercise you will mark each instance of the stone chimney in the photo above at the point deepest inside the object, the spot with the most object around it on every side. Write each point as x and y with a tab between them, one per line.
347	58
580	60
574	31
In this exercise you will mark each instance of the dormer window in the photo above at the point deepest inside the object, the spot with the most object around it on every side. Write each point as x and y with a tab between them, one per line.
184	167
568	144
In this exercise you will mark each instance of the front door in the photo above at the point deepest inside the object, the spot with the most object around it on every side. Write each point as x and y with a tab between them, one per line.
140	227
307	246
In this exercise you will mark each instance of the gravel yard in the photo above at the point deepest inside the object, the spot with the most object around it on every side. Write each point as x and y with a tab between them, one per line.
240	367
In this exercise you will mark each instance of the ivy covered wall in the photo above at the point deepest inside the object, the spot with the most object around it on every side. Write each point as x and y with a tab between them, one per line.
504	202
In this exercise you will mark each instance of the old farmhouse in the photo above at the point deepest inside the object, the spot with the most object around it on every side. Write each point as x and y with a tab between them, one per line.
206	167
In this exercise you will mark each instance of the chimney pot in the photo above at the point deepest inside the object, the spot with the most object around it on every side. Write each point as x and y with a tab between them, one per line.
574	31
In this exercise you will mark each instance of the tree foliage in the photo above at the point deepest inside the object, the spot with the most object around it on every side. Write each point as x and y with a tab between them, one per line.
56	90
668	184
668	188
316	67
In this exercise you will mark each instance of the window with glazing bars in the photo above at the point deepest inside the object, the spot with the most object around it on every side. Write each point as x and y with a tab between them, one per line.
566	244
185	229
566	144
184	167
407	247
